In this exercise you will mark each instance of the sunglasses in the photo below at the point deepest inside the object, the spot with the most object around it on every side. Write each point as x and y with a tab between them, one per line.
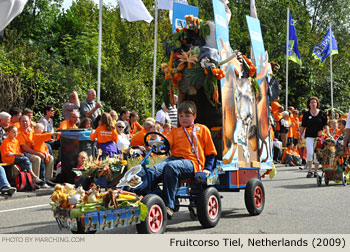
120	127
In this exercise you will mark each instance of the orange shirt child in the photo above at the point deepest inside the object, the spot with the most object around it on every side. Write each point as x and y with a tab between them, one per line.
39	145
287	151
134	128
103	135
9	148
138	139
183	148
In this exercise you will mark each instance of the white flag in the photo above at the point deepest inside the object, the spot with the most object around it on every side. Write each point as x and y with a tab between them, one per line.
165	4
9	9
134	10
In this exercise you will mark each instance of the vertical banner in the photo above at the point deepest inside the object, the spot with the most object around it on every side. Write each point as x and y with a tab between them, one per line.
238	103
179	13
263	123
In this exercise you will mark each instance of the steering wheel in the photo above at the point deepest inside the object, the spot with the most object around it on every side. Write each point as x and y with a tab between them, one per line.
159	147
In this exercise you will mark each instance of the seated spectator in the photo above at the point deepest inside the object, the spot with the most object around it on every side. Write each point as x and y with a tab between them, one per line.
114	116
15	113
155	128
138	139
25	139
166	129
106	136
11	153
123	140
28	112
134	125
4	123
72	105
71	123
5	187
39	139
291	156
86	123
47	122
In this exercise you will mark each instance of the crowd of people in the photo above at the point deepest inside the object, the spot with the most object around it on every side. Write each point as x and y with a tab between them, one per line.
29	145
295	133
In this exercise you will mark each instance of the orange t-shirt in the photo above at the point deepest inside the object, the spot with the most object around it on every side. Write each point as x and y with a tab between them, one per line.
39	140
272	133
295	128
9	146
286	152
138	139
66	124
103	135
16	124
134	128
277	116
274	106
180	145
24	137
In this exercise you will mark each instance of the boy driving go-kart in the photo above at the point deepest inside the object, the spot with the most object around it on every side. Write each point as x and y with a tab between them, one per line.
192	151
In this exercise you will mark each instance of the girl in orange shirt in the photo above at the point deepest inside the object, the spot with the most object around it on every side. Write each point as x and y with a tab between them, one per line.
107	136
11	153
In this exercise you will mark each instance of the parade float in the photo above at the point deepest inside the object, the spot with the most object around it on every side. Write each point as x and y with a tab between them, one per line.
232	94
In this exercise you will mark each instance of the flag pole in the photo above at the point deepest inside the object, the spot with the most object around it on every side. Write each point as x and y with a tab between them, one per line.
287	54
99	51
330	44
155	56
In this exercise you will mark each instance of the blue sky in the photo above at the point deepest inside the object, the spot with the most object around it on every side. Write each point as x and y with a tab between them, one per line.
67	3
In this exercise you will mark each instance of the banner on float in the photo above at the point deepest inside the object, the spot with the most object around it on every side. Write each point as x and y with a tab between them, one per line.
179	13
262	64
230	150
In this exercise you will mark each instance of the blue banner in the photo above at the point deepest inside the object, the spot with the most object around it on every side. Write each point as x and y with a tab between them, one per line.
323	50
293	50
179	13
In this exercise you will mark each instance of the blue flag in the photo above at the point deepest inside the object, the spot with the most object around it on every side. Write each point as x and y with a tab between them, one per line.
293	50
323	49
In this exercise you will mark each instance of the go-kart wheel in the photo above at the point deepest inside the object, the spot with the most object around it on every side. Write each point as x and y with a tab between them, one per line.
81	228
254	196
343	179
209	207
326	180
159	147
319	180
156	220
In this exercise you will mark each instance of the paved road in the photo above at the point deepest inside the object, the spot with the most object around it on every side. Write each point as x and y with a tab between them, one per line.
294	205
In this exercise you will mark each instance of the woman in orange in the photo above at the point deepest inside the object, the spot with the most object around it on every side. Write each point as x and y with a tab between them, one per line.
107	136
134	126
11	153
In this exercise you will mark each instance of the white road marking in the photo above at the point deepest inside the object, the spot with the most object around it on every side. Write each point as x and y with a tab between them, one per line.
22	208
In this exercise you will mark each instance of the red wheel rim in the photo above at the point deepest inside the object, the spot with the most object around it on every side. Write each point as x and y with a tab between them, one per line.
213	207
155	218
258	196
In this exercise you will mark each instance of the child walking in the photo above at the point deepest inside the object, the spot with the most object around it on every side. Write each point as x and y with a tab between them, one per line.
192	151
107	136
11	153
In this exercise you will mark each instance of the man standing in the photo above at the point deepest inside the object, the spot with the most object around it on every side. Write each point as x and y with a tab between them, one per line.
89	108
73	104
172	112
162	117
